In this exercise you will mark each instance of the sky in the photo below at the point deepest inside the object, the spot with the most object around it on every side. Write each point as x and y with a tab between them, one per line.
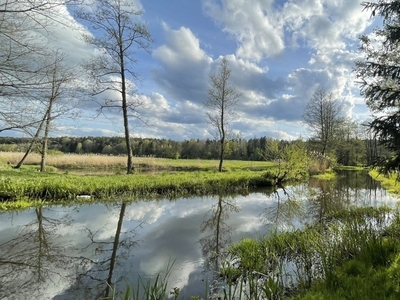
279	52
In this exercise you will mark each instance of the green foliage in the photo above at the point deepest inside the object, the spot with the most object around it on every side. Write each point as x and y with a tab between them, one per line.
389	180
292	159
330	175
379	74
54	152
10	147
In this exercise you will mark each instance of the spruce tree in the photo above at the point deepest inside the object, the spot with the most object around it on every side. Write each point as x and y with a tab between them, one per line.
379	78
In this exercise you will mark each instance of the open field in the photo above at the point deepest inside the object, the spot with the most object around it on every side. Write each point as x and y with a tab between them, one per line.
115	164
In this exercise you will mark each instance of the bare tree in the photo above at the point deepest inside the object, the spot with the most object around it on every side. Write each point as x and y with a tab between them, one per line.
117	36
24	25
33	261
222	101
63	98
109	265
323	115
218	232
57	97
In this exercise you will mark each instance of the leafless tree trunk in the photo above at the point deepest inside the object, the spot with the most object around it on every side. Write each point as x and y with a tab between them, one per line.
32	143
57	78
45	141
114	250
112	70
222	101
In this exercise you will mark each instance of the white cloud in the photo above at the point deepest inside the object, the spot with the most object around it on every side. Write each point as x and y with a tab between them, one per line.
278	51
184	65
253	23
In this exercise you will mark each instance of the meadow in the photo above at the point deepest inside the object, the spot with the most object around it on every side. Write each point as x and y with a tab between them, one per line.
87	178
107	164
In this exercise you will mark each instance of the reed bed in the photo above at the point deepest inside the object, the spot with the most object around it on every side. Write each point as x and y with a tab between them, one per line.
103	162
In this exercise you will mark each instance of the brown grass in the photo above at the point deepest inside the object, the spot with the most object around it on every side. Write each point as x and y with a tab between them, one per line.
92	161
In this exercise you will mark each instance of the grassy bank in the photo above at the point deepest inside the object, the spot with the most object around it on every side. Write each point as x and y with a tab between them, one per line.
389	182
56	187
351	255
328	175
26	186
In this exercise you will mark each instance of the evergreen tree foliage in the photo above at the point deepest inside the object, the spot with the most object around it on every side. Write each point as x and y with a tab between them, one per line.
379	75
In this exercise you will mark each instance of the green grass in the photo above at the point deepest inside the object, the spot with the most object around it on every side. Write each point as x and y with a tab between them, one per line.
328	175
389	181
352	255
18	187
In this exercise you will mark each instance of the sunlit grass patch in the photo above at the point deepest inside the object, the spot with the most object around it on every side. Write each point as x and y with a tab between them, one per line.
389	181
329	175
16	185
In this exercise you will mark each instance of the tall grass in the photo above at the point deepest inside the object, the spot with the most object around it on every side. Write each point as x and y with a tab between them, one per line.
91	162
389	181
323	259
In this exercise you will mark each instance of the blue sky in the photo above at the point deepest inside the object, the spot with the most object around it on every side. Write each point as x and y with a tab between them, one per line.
279	51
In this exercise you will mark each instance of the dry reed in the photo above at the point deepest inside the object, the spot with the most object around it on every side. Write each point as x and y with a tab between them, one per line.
88	161
74	160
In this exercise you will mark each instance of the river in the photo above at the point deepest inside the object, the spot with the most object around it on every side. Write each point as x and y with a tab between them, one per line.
71	252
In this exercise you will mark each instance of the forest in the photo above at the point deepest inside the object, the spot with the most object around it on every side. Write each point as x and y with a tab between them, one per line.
351	151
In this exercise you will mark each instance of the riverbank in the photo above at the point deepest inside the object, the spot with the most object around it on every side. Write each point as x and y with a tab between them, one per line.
344	257
28	187
390	182
88	178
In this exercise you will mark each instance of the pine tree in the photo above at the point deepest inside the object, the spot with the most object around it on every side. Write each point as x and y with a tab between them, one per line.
379	75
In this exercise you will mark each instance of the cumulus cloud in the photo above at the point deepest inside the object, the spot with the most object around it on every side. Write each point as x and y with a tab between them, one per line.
262	37
252	23
184	65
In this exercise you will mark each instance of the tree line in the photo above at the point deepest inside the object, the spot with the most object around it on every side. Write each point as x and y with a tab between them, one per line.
352	151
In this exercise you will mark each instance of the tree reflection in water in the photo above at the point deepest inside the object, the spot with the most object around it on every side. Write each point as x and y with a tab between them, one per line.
33	262
349	189
109	265
285	210
218	232
312	201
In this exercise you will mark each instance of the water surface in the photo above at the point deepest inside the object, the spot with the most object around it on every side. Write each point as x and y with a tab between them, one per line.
71	252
